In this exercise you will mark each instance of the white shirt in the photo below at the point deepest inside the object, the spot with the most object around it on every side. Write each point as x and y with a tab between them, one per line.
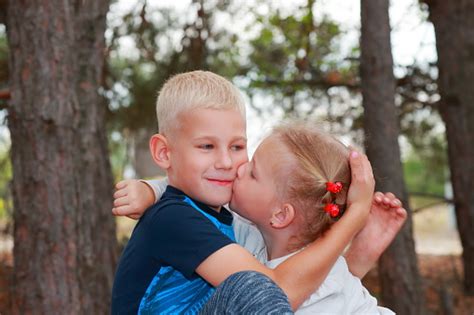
340	293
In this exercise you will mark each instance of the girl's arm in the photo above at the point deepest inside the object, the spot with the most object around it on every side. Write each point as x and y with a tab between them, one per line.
301	274
132	197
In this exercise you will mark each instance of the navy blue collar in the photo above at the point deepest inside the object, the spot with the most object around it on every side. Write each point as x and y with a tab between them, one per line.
223	216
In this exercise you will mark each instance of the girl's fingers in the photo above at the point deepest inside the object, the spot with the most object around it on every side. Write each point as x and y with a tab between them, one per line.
361	170
121	184
122	210
134	216
122	201
378	197
120	193
396	203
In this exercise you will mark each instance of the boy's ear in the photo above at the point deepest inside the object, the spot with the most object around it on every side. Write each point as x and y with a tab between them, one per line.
160	152
283	216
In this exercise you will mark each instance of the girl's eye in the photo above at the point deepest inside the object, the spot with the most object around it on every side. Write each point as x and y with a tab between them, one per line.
206	146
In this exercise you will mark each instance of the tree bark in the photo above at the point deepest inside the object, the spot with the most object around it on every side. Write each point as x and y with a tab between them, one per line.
400	280
65	243
454	28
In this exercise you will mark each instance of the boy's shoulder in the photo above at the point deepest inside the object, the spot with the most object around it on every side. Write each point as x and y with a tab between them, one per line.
172	197
167	206
176	206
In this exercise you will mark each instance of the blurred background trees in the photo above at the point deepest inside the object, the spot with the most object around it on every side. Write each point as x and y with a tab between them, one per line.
290	60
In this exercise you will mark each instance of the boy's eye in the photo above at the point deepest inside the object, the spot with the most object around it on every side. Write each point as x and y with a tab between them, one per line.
238	147
206	146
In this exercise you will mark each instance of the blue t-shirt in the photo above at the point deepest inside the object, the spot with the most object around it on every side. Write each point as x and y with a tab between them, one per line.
156	273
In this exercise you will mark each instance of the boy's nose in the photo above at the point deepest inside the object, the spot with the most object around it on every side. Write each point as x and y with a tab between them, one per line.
224	161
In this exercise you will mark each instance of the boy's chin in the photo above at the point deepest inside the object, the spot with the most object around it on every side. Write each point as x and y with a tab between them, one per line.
218	203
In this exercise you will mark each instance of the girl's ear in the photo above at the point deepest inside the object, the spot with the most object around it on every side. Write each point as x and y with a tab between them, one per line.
160	152
283	216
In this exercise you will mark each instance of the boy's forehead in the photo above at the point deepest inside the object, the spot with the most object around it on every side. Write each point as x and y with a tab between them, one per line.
208	121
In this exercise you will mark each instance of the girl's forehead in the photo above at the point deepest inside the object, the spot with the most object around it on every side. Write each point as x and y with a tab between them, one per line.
273	154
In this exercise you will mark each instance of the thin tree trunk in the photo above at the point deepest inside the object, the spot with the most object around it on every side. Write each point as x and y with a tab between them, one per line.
400	280
65	246
454	28
142	161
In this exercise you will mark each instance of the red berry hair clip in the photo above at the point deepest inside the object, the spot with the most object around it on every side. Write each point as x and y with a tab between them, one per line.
331	208
334	187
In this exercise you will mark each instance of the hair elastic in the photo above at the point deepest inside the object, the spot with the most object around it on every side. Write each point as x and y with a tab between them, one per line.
331	208
334	187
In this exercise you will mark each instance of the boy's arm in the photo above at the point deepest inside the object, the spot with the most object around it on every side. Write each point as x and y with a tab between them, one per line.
386	218
301	274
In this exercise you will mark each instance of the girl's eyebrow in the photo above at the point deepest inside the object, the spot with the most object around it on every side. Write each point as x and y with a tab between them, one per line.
254	166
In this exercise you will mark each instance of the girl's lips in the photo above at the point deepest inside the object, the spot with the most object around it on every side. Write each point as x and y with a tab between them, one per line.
220	182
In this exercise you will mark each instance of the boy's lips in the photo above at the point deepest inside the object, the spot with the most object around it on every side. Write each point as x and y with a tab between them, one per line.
221	182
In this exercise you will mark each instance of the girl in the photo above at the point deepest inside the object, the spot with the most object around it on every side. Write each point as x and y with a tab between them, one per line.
293	190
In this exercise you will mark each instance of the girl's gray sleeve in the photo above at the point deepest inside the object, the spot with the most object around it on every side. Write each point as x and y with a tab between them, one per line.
158	186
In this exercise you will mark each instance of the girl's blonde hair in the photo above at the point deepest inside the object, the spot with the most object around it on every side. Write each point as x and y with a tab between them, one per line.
318	158
196	89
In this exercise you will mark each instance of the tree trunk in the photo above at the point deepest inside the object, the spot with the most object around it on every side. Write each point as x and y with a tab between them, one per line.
454	28
65	243
142	161
400	280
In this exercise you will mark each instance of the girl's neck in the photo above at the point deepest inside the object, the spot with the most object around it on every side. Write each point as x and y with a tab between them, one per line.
277	242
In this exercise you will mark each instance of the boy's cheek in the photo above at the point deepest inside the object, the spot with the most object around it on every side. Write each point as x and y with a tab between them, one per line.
242	158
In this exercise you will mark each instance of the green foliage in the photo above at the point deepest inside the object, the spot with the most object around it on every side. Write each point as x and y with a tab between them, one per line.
426	168
3	59
6	205
421	178
296	59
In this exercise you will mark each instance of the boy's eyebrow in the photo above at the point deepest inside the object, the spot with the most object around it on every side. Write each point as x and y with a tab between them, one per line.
215	138
241	138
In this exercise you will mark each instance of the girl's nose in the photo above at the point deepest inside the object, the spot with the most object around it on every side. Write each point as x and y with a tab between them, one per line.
241	170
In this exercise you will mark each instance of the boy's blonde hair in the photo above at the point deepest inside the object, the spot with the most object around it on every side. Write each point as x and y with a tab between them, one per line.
319	158
191	90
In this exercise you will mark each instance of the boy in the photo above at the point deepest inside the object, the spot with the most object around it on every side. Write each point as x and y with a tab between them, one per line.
184	244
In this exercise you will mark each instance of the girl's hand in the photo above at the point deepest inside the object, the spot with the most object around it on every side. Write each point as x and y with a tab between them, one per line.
131	198
386	218
362	185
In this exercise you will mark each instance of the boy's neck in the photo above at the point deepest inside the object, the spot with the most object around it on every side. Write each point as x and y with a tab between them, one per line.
217	209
